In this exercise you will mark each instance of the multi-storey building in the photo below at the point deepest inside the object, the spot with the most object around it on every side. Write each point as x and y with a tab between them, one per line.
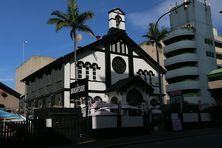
218	48
215	76
190	54
27	68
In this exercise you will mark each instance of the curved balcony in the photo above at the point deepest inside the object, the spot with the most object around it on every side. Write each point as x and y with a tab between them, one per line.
185	85
179	45
185	71
219	62
186	57
179	32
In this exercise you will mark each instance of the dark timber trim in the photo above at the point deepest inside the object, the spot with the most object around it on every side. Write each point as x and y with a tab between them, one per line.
130	61
108	65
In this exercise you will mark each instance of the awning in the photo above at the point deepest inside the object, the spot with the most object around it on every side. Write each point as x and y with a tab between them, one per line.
7	115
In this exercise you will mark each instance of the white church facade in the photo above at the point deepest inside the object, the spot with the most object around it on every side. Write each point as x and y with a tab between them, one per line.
117	71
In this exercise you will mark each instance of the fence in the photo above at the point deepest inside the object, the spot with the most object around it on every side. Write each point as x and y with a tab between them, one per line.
12	131
20	131
191	120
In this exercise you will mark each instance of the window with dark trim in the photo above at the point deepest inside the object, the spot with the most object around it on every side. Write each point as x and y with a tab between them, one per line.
98	99
118	21
87	65
94	73
95	67
151	74
145	74
208	41
210	54
140	72
80	65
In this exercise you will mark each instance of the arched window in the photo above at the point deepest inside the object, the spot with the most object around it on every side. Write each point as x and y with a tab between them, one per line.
134	97
88	66
114	100
140	72
98	99
94	67
118	21
146	73
151	74
90	99
80	65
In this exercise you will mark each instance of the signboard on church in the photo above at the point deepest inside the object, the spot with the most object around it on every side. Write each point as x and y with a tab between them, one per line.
78	89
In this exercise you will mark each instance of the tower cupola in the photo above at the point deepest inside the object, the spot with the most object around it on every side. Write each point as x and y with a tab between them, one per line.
116	19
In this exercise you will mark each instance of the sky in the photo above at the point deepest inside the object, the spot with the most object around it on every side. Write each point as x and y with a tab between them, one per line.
26	20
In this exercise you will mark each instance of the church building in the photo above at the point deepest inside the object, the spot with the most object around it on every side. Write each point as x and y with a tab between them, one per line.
113	69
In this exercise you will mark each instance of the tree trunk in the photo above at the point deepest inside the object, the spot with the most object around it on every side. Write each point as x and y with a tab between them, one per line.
75	56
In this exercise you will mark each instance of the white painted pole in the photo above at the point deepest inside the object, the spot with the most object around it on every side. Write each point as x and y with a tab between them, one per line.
23	50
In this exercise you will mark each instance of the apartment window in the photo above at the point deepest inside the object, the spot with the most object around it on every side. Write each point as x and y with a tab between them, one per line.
48	102
40	103
210	54
58	100
208	41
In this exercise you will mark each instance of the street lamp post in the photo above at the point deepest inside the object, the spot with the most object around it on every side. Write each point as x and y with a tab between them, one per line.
156	41
23	50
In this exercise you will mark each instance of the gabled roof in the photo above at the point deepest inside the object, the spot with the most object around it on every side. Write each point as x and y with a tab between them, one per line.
117	9
113	34
9	90
125	83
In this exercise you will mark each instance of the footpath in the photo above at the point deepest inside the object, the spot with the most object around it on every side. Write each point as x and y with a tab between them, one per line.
138	139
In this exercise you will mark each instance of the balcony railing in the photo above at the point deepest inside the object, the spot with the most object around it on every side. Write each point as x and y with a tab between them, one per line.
184	71
179	45
186	57
185	85
179	32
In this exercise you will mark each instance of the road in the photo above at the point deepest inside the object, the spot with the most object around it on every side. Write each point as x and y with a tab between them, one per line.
203	141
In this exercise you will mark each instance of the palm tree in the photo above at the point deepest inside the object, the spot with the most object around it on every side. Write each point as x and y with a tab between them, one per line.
75	21
155	36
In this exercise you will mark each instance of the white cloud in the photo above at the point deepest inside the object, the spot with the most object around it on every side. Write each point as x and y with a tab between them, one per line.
6	79
216	7
142	19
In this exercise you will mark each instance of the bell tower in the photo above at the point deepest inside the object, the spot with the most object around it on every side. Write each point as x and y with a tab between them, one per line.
116	19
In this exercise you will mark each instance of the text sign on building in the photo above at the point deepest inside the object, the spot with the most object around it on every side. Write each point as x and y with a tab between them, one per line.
78	89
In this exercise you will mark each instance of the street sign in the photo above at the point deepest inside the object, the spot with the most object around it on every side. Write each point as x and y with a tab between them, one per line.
78	89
